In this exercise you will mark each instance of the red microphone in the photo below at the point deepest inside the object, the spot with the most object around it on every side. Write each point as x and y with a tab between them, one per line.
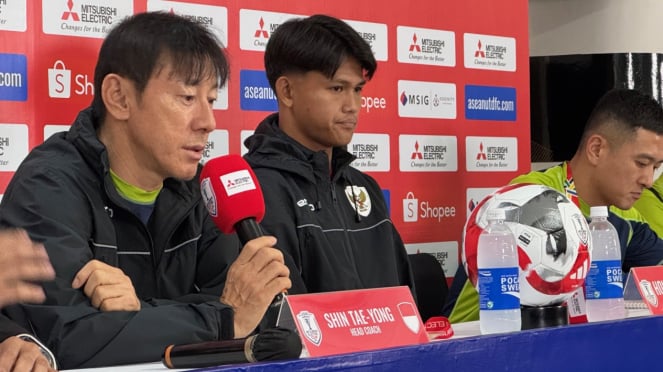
234	200
233	196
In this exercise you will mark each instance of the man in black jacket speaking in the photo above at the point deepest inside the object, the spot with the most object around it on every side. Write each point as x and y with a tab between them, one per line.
116	202
331	220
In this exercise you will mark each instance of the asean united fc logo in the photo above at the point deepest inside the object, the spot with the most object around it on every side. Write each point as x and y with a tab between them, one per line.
648	290
209	198
309	326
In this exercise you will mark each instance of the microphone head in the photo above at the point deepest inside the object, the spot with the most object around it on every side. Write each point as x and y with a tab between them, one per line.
276	344
231	192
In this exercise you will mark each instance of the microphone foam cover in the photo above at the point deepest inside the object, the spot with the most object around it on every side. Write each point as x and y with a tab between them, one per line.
277	344
231	192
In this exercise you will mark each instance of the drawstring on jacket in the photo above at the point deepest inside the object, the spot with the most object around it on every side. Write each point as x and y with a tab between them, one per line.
354	200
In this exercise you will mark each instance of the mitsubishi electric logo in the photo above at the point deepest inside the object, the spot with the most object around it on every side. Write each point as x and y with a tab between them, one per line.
482	154
13	145
491	154
214	17
83	18
70	13
375	34
13	15
479	53
414	47
371	151
490	52
422	153
261	31
425	46
255	27
416	154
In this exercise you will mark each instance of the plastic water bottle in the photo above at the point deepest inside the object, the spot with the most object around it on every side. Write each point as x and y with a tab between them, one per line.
603	285
499	291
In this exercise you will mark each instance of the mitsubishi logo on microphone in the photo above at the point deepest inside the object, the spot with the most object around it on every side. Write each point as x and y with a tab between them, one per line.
238	181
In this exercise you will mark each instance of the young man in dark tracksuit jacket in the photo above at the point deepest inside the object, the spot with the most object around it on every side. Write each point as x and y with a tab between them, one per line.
116	202
331	220
336	228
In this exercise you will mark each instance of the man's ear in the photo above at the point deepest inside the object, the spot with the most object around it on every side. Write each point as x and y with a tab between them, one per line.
116	93
597	145
284	92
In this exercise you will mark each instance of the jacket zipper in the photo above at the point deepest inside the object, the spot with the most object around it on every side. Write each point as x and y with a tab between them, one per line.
346	234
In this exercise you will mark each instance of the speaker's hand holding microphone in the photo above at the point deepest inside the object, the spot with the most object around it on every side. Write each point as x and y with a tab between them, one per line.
235	203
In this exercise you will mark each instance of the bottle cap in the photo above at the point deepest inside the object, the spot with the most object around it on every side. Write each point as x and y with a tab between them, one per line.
598	211
495	214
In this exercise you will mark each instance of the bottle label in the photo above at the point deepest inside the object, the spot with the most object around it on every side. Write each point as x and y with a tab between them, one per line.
604	280
499	289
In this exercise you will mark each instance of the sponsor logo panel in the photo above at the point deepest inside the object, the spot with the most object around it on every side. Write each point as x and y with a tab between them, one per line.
445	252
424	153
474	195
61	80
375	35
489	52
13	146
13	77
217	145
83	18
13	15
426	46
256	26
369	103
415	209
221	102
490	103
421	99
255	92
243	135
51	129
213	17
387	199
491	154
371	150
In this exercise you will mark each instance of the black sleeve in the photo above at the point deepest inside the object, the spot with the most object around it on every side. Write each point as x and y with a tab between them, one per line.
9	328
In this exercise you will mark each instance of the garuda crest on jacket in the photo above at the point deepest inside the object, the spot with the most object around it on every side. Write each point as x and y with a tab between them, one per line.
359	199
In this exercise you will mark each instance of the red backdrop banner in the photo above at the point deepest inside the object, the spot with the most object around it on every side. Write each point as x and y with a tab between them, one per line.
444	121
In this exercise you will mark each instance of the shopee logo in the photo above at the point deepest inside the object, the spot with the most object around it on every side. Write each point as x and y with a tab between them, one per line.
410	205
59	82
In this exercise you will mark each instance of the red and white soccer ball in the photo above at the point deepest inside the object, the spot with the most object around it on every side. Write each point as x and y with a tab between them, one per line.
552	237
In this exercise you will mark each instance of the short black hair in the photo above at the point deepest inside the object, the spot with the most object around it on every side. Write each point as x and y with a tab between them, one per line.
141	44
623	112
317	43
